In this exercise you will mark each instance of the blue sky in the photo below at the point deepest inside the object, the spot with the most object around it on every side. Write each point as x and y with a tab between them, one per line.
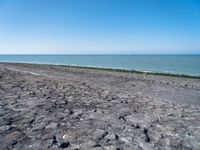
99	26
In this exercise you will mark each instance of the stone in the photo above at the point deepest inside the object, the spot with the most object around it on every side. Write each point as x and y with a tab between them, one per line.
97	148
110	147
52	125
112	136
78	113
12	139
126	140
88	145
5	127
99	134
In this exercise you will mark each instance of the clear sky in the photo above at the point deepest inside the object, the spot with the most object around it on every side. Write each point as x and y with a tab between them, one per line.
99	26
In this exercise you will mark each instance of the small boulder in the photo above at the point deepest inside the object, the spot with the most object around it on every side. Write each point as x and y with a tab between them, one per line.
88	145
99	134
112	137
52	125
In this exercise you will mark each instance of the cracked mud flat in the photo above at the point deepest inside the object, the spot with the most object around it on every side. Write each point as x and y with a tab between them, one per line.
52	107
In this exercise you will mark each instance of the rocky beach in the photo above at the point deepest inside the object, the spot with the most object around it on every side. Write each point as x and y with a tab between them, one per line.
58	107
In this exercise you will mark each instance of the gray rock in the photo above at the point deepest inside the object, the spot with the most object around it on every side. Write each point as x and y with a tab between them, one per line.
99	134
88	145
52	125
97	148
3	128
112	136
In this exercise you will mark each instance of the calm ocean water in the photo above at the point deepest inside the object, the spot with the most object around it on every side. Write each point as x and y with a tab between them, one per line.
176	64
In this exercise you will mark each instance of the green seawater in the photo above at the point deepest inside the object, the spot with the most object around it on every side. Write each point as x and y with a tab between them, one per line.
174	64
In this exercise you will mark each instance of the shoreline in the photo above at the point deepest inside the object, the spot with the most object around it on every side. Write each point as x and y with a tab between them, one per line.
112	69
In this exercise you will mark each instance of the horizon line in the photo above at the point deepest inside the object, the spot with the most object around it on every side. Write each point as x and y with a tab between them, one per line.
102	54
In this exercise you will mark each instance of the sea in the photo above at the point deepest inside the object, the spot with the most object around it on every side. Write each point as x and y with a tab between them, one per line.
173	64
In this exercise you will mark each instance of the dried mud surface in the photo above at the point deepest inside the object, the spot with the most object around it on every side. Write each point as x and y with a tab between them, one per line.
52	107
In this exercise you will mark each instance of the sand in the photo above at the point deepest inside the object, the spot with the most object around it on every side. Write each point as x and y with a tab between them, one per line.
57	107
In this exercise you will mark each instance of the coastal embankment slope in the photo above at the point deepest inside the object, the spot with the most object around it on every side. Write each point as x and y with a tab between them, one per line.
60	107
